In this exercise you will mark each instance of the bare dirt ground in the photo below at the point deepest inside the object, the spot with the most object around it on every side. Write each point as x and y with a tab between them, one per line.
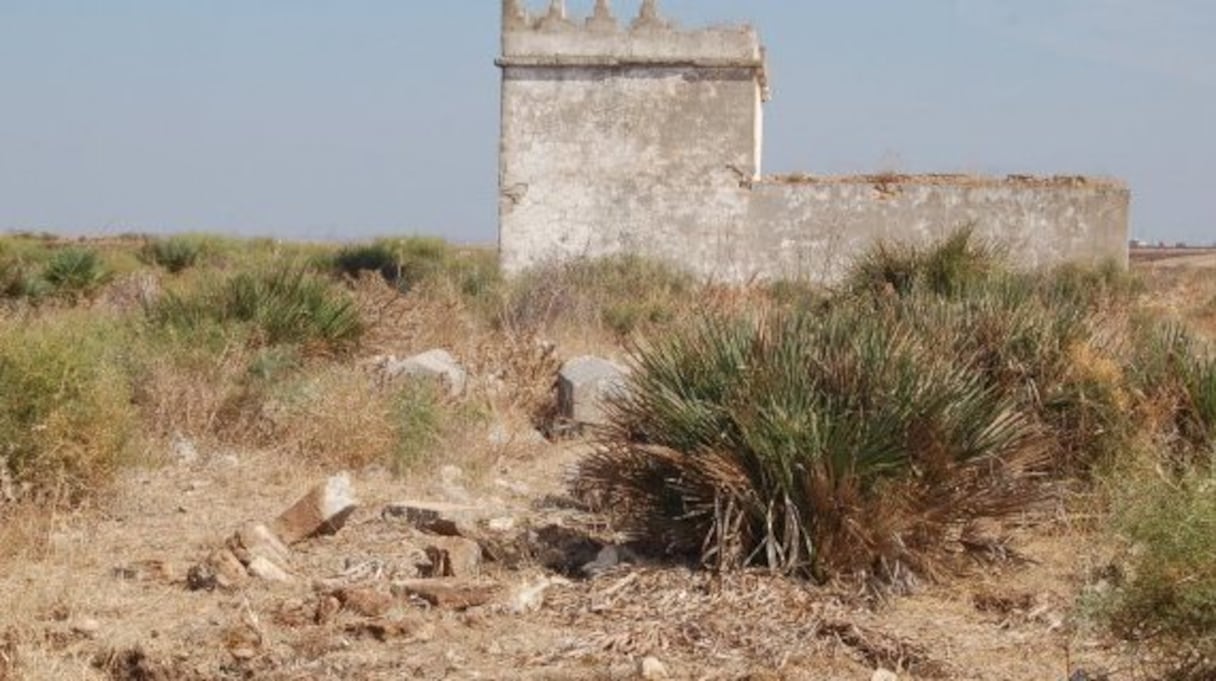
105	596
108	598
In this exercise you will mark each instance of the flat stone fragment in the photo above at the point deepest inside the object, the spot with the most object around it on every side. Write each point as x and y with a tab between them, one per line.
450	594
365	601
263	568
323	510
584	386
434	517
434	364
453	557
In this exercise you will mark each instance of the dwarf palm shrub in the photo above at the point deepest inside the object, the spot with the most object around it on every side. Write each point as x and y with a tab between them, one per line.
1177	372
175	254
813	444
74	271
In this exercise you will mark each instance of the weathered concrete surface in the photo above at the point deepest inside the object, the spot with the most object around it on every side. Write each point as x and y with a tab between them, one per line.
812	229
647	139
584	386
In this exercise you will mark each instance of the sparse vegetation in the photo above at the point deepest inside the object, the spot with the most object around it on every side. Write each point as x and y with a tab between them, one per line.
846	436
866	435
285	305
66	419
1164	594
419	262
621	294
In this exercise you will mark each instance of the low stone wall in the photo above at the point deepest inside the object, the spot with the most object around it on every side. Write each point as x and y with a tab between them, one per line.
812	228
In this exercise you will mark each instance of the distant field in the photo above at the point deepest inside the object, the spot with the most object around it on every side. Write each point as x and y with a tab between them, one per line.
1153	254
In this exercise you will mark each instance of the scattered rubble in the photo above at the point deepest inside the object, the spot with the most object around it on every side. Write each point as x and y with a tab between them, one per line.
261	552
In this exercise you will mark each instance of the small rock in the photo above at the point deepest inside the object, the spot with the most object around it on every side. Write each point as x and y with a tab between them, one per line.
434	364
453	557
434	517
530	597
146	571
517	488
452	594
499	436
365	601
87	627
255	539
651	669
327	607
584	386
607	558
884	675
183	450
263	568
384	630
222	569
451	475
323	510
501	525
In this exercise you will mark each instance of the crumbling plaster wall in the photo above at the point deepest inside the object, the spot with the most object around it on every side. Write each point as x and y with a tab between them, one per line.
646	139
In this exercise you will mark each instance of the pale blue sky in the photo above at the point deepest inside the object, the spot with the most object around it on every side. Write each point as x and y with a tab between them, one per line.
346	118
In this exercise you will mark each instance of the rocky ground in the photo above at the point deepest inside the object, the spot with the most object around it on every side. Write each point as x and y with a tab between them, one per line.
494	571
501	577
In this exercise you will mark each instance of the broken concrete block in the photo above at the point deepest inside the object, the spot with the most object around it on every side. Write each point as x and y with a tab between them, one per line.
221	570
255	539
264	568
323	510
584	386
453	594
453	557
434	364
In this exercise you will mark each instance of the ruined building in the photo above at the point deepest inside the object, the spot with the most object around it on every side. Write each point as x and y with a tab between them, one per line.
639	137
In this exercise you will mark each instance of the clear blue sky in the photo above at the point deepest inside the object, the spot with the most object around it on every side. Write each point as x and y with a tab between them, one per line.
346	118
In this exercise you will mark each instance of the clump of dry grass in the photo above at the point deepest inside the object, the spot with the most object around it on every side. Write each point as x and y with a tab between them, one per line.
332	417
617	294
66	420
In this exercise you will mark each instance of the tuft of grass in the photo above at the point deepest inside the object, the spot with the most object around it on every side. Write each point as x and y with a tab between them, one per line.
415	262
418	419
284	306
66	418
175	254
947	268
621	294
